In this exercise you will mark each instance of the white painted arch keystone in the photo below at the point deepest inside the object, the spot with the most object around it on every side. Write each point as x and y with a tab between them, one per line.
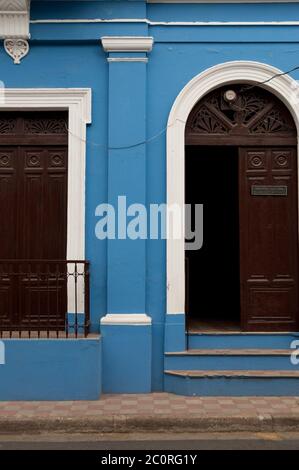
284	87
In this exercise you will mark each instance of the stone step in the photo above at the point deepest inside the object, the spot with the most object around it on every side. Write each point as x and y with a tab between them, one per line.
231	359
234	373
231	352
232	382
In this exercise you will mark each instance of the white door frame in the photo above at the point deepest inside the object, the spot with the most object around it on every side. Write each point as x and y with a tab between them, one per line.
77	101
283	86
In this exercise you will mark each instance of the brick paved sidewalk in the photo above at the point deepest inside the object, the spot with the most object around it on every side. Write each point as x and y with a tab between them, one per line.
154	404
157	410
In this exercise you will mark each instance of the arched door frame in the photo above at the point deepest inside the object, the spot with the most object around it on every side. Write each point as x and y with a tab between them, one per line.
283	86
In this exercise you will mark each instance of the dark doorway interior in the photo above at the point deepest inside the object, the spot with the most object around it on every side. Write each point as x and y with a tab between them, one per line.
213	272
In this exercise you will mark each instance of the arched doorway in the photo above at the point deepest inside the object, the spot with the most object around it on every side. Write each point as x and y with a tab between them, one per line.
241	163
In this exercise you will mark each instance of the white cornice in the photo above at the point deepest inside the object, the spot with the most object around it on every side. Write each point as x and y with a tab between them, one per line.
127	43
165	23
14	19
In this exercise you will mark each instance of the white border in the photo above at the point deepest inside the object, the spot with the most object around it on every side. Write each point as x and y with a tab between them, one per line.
127	43
132	319
284	87
128	59
165	23
77	101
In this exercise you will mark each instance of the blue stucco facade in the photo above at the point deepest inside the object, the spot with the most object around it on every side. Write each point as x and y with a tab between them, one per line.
131	103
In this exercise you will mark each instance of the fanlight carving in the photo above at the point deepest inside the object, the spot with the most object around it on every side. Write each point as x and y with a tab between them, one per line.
45	126
33	123
255	112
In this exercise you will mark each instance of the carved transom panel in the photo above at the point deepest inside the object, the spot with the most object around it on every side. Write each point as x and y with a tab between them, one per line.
254	111
50	123
45	126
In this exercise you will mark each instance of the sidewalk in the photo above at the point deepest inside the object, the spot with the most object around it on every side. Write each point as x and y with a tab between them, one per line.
153	412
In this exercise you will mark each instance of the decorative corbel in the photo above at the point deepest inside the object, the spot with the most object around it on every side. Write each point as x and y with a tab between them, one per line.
16	48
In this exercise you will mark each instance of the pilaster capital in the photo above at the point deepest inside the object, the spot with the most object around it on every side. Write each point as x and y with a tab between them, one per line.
127	43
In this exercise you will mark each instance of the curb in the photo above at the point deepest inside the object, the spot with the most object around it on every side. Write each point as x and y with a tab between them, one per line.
161	423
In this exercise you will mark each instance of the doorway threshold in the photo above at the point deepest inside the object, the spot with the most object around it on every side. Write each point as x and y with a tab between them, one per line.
213	326
218	327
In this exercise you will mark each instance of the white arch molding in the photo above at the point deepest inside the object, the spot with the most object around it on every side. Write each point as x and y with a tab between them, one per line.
284	87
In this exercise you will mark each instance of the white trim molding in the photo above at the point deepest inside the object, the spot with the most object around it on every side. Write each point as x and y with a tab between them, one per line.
131	319
283	86
14	19
127	43
77	101
164	23
127	59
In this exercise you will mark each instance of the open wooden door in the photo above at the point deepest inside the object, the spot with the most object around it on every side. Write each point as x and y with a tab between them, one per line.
268	238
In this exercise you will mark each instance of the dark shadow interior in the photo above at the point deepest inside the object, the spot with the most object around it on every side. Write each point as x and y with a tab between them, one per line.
213	272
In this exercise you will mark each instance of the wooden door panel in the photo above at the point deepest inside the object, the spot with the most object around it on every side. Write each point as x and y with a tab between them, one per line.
33	202
44	203
6	296
9	194
268	238
8	201
43	288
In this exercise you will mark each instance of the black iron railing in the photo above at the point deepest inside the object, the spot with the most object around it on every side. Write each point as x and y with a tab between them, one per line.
42	298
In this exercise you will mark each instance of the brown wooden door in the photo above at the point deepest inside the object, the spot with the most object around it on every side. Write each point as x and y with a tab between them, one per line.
268	238
33	208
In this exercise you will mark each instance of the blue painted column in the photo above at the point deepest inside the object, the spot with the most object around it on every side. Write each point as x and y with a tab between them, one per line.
126	329
126	167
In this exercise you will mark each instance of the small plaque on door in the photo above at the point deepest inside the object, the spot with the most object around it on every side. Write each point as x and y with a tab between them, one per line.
257	190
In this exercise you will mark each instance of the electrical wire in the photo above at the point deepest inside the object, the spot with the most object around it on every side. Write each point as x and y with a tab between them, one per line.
163	131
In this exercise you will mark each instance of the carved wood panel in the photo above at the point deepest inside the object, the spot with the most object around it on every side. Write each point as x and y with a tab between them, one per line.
34	128
268	239
254	115
33	205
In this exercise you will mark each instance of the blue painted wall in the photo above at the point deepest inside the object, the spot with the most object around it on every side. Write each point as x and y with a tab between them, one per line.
127	358
51	369
70	55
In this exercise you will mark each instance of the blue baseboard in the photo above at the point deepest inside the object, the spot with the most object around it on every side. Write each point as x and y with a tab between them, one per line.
231	386
243	340
223	362
127	358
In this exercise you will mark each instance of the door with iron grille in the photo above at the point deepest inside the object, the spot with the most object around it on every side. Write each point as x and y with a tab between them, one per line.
33	208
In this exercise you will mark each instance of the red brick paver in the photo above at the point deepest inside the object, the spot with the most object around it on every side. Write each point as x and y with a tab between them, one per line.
154	404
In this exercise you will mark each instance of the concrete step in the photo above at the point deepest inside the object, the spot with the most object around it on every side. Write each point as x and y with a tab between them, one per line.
232	382
231	340
231	359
